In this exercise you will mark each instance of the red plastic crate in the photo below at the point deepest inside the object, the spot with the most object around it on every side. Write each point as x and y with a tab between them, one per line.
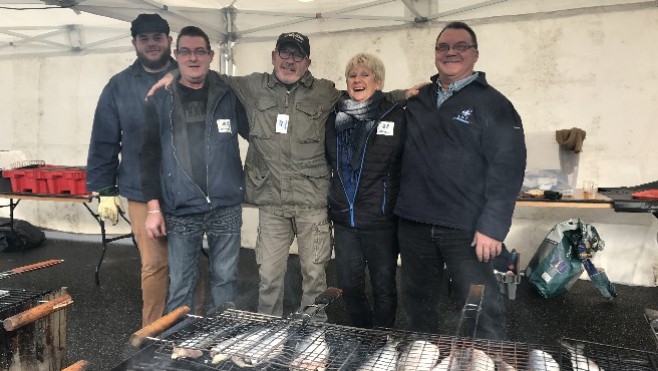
48	179
67	180
26	181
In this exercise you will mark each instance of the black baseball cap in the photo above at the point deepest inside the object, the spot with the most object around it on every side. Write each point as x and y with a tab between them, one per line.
296	39
149	23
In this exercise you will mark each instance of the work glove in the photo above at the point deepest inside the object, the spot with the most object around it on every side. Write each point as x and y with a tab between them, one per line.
110	204
109	208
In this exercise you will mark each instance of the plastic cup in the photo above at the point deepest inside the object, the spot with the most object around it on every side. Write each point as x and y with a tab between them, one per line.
590	188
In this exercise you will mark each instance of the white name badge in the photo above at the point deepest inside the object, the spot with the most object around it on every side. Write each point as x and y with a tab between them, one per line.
282	123
224	125
385	128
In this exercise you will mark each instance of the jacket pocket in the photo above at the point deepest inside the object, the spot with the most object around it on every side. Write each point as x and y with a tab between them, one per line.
322	242
312	186
264	118
257	177
310	128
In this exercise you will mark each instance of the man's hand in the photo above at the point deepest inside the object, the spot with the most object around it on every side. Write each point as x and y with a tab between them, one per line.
109	208
486	247
414	90
155	225
164	82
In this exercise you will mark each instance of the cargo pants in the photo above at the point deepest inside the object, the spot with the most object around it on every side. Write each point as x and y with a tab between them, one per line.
275	235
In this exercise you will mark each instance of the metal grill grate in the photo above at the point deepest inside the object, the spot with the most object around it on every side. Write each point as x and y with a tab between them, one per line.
235	339
12	299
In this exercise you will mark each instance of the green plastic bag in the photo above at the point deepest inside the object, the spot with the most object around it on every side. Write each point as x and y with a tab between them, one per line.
556	266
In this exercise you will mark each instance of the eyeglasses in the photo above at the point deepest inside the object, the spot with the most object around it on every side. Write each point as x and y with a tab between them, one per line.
285	54
185	52
459	47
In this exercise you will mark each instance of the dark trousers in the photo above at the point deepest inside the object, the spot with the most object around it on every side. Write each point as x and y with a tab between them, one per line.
378	249
424	250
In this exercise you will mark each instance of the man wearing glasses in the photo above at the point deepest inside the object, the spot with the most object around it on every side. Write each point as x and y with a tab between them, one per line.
462	170
192	172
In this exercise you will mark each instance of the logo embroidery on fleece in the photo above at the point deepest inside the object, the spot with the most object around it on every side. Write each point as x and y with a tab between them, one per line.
464	116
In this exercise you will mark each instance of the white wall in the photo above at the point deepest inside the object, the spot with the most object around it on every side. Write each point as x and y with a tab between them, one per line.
48	108
591	69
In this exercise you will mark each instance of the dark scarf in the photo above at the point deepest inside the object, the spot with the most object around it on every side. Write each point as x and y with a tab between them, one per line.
354	121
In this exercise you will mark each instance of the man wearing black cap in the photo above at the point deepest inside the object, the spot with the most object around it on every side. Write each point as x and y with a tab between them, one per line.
117	129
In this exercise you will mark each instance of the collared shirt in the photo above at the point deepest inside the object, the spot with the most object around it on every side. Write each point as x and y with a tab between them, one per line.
453	87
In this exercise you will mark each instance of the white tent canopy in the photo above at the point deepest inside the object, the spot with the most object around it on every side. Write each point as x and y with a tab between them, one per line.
74	26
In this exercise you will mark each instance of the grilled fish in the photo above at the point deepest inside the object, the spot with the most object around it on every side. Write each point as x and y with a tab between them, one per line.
384	358
501	365
541	361
261	346
193	347
420	355
466	359
311	353
222	351
579	361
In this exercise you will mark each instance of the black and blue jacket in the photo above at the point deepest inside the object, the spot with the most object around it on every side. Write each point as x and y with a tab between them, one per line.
165	157
378	177
464	162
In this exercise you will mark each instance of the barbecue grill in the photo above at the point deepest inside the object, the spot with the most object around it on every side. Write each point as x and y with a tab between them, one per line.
33	335
230	338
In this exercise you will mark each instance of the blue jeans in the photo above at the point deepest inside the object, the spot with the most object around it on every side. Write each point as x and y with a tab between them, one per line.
378	249
185	241
424	250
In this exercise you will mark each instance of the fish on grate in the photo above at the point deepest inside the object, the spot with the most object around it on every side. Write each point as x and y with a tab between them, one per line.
220	352
466	359
261	346
193	347
384	358
200	341
311	352
419	355
501	365
542	361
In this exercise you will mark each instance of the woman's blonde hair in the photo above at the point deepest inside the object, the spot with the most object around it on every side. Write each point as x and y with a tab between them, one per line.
369	61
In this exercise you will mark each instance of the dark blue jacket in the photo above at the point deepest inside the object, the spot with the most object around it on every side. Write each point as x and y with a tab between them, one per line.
118	128
379	174
464	162
165	157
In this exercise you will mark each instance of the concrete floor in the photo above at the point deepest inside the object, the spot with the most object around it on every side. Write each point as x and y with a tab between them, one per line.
103	317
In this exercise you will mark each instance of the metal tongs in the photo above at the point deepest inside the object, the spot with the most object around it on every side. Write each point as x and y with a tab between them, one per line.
321	302
29	268
468	322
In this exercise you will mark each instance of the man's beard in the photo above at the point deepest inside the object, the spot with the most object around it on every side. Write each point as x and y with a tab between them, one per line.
157	64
